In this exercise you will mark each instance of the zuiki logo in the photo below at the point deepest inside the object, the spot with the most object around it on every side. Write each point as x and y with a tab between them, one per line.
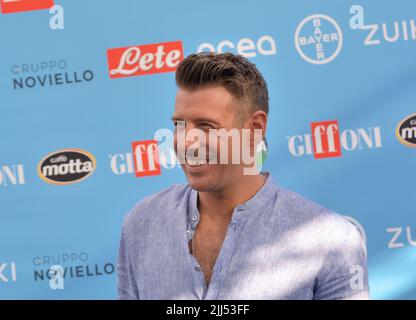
401	237
406	131
318	39
12	6
384	32
144	59
8	272
66	166
327	140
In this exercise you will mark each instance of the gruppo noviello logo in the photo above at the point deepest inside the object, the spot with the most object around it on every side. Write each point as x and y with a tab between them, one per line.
406	131
66	166
318	39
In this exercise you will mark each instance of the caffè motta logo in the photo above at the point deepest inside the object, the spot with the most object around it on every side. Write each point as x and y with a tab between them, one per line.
66	166
406	131
318	39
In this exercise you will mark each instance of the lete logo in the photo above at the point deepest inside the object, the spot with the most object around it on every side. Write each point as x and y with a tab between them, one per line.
144	59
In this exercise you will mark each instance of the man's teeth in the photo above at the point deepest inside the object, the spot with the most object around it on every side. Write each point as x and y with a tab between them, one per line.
195	162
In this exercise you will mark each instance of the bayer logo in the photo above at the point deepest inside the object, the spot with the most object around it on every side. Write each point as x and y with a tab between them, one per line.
318	39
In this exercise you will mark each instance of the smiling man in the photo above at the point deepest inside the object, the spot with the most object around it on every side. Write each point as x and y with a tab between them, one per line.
231	233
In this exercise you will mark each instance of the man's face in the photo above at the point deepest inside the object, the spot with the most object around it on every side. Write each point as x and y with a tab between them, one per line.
205	109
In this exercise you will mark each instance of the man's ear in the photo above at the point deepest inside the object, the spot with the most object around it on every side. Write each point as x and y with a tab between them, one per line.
258	120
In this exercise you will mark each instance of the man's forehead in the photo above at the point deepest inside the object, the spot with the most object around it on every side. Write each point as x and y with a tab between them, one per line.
206	96
196	116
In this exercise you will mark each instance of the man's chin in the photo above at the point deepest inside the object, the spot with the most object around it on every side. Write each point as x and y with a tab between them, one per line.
200	178
202	182
199	183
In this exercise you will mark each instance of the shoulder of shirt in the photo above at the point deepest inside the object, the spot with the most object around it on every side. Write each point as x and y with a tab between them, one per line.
340	228
155	202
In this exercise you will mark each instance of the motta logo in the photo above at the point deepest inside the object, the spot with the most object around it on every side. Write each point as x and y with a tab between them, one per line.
406	131
13	6
327	140
66	166
144	59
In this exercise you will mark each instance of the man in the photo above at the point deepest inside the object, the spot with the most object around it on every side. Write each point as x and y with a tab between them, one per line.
229	234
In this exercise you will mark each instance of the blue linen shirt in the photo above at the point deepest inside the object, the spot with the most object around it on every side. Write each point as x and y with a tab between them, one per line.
278	245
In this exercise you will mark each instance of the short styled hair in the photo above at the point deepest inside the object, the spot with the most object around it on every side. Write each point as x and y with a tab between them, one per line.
236	74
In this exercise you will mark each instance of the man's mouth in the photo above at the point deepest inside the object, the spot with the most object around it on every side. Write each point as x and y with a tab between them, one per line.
195	162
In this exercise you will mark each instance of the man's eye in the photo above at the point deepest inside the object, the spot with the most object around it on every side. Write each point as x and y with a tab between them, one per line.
179	122
205	126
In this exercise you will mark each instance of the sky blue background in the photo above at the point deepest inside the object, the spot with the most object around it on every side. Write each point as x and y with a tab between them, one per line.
365	86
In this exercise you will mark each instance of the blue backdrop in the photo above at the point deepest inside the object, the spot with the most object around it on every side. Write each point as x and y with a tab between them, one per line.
342	129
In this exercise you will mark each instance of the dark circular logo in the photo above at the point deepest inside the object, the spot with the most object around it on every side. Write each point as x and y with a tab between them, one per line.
66	166
406	131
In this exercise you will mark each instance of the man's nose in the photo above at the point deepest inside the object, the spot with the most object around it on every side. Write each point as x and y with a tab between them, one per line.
193	137
185	138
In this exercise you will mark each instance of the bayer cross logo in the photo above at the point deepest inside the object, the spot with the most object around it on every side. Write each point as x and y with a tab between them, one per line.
318	39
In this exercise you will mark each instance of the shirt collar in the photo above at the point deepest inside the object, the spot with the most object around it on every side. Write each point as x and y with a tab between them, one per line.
254	203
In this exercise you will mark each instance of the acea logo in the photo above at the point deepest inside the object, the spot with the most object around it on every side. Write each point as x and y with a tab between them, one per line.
318	39
406	131
66	166
247	47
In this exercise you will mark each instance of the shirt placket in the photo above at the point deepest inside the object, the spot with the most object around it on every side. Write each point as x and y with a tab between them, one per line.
214	290
197	274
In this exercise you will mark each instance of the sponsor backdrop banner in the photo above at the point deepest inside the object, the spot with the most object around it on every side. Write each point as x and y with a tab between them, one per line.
85	85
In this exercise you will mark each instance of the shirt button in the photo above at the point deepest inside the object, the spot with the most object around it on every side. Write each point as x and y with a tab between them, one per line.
197	268
194	218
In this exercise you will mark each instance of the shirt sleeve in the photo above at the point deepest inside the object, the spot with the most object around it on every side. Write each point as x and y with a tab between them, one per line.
126	284
344	275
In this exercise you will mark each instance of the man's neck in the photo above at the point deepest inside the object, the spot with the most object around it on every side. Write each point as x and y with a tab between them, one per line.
220	204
